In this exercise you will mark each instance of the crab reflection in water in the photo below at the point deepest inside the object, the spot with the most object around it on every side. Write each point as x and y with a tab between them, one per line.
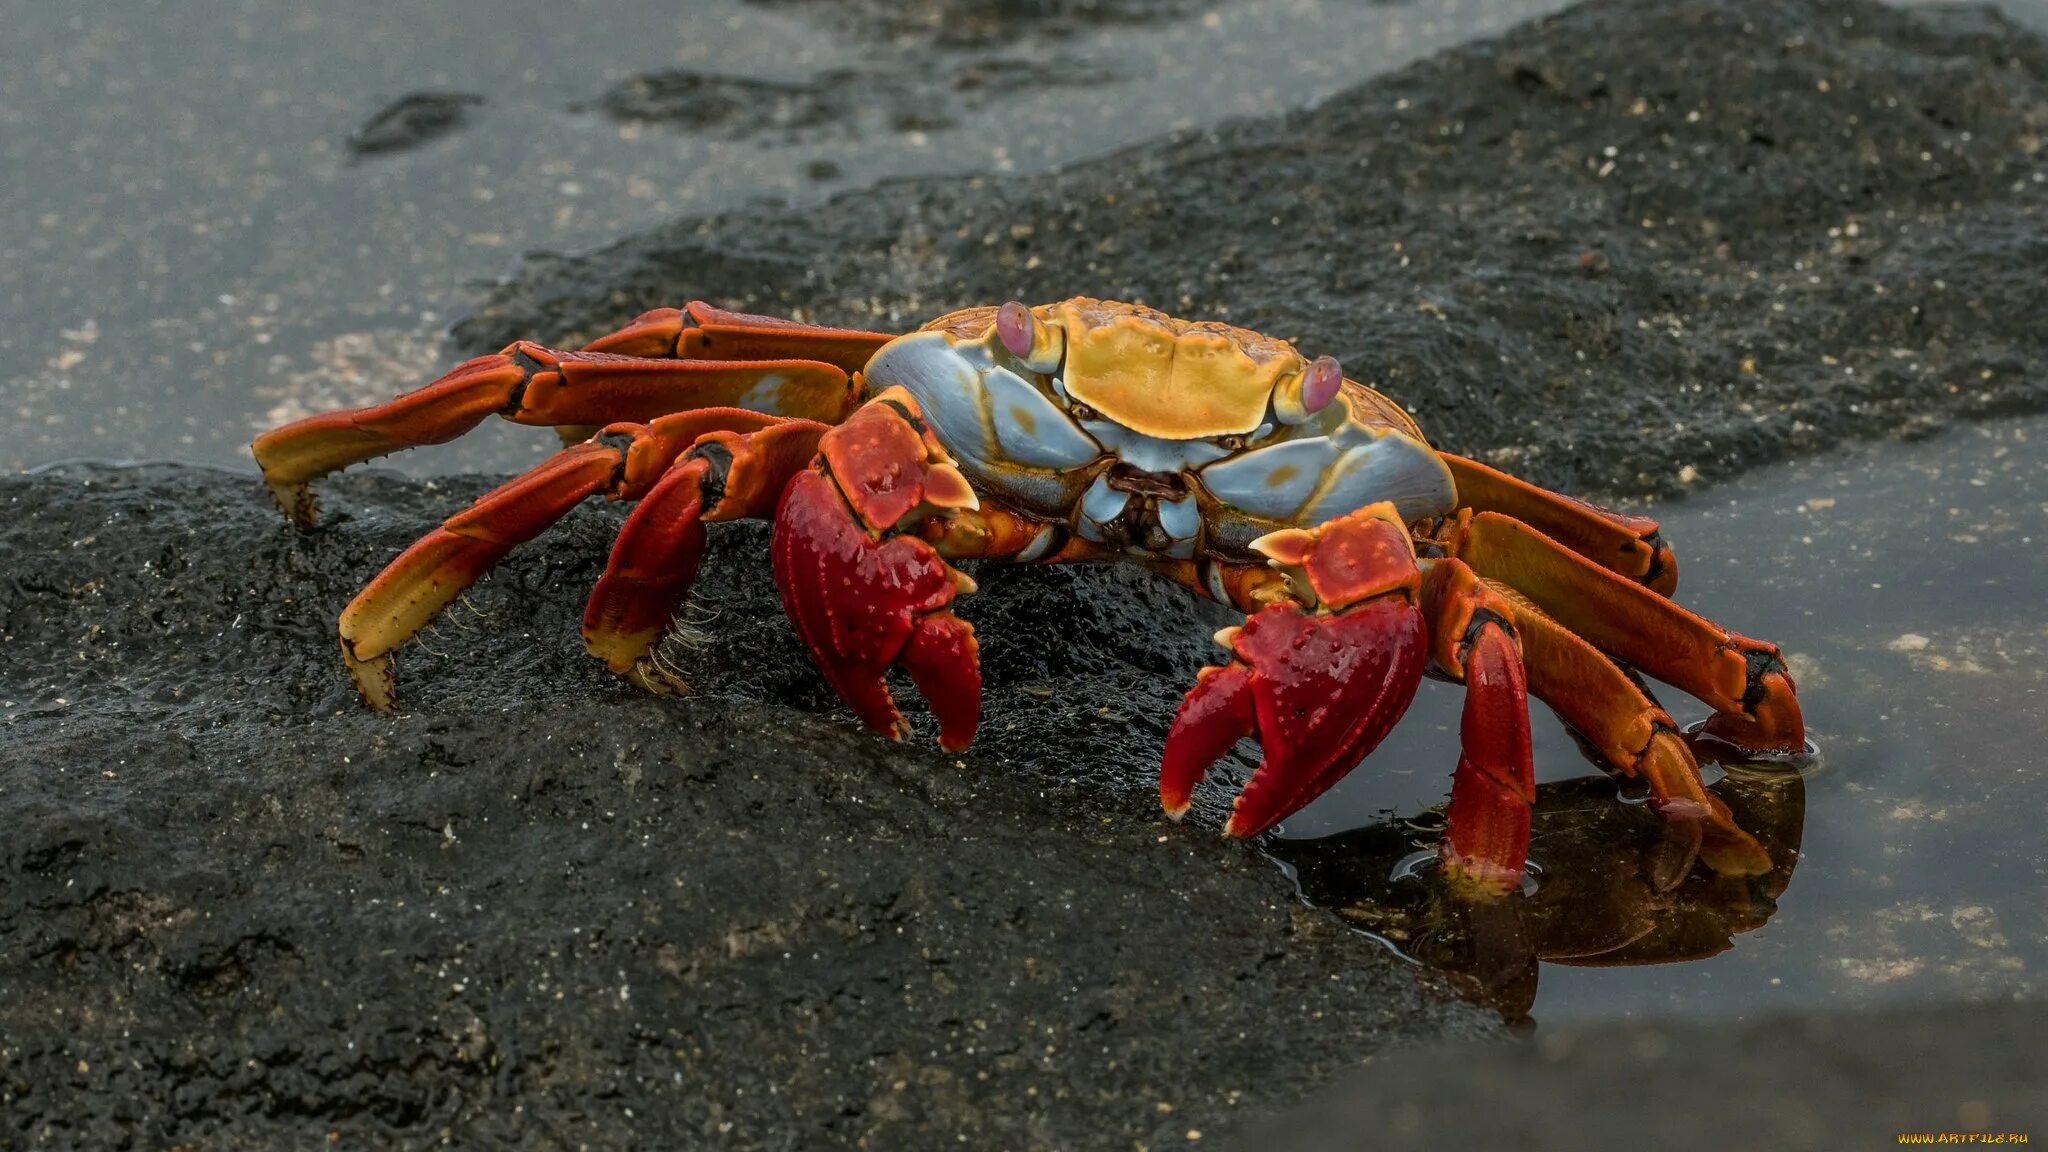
1603	892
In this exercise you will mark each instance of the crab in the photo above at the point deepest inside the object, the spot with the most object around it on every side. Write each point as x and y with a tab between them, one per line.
1090	430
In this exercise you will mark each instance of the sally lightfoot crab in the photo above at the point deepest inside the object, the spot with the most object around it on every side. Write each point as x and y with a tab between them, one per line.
1078	431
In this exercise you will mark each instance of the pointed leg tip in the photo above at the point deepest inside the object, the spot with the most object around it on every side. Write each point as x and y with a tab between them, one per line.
375	679
297	503
1240	827
1477	878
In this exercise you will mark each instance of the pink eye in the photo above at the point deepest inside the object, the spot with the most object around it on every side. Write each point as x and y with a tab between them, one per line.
1014	325
1320	385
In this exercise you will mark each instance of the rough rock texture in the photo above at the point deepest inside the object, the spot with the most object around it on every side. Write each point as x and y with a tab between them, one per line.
544	908
1634	244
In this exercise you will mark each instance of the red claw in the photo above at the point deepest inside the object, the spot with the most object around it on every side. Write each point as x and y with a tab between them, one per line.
862	604
1321	691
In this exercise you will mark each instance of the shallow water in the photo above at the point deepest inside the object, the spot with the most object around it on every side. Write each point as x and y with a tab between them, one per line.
1905	583
189	253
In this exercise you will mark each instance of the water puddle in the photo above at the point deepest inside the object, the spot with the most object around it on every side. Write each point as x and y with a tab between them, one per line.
1905	583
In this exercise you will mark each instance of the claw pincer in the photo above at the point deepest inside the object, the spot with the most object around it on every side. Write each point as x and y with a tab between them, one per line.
1320	685
864	594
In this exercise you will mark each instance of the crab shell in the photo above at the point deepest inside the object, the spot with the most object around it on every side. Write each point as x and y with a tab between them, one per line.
1167	437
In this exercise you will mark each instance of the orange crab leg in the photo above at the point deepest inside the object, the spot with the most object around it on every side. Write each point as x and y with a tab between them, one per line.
1745	681
665	361
1601	704
429	575
1486	837
698	331
1628	545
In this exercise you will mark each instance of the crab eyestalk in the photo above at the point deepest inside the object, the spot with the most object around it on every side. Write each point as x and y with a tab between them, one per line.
1034	343
1299	397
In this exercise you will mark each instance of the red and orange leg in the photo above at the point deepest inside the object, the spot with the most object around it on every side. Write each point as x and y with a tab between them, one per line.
666	361
1629	546
1604	706
1745	681
1320	678
725	475
1473	640
624	462
863	586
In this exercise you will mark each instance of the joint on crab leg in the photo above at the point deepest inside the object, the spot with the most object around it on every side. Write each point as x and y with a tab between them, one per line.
295	454
700	331
1486	837
1320	681
666	361
1630	546
1473	641
864	592
623	461
428	576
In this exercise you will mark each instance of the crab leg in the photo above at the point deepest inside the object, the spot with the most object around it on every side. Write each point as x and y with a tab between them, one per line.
1628	545
1603	706
1473	641
1320	680
623	462
863	589
666	361
1745	681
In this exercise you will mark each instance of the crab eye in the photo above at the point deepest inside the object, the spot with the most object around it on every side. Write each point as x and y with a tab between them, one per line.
1081	411
1230	443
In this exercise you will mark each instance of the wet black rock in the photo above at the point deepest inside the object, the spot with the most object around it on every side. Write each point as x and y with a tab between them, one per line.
1627	246
734	106
412	120
541	906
